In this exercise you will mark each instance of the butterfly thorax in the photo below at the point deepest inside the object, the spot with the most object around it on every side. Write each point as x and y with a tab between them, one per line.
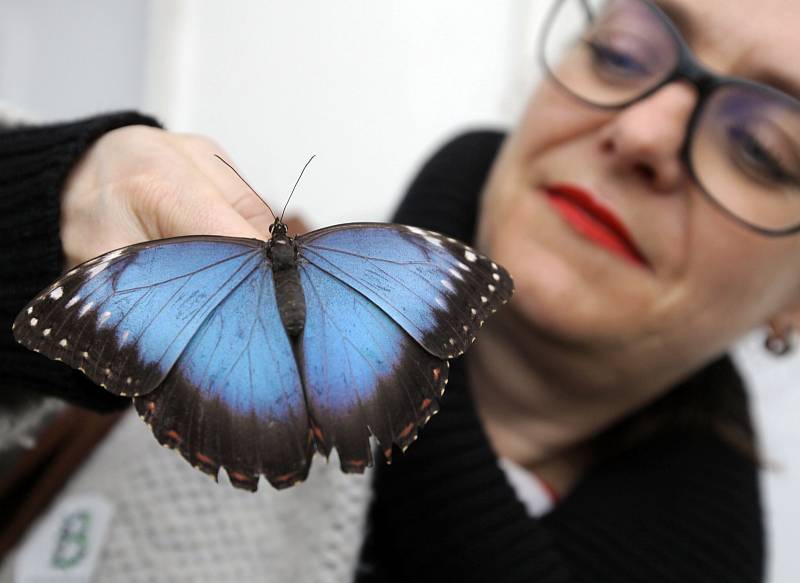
282	252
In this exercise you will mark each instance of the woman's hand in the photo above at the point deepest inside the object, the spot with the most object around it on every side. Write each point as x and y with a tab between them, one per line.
139	183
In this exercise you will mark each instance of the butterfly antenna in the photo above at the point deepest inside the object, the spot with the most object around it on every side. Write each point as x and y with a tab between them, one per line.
295	184
266	204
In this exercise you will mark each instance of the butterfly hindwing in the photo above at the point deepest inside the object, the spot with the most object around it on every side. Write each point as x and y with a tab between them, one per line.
362	372
234	397
123	318
437	289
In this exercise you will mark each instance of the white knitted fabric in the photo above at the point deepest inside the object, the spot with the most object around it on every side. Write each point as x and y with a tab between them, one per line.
172	523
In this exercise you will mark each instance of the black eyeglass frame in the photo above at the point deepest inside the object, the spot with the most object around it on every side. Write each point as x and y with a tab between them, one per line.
687	67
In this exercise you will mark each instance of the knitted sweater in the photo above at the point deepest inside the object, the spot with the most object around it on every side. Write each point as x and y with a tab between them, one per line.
680	506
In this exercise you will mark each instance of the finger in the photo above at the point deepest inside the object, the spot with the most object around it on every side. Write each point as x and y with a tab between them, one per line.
229	179
191	205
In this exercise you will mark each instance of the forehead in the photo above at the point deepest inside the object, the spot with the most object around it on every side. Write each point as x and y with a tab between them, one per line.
749	38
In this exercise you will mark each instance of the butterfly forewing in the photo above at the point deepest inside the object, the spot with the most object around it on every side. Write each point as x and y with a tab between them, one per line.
234	397
124	317
437	289
362	373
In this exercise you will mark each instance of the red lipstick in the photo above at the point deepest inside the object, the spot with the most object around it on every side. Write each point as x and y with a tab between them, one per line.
594	221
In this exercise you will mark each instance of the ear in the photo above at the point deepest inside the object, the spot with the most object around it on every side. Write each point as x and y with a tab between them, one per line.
786	320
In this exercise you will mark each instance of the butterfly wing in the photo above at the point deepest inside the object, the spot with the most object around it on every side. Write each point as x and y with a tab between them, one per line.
362	372
234	397
123	318
437	289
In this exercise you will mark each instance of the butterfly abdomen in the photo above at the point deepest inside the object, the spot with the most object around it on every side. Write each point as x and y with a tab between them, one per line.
288	289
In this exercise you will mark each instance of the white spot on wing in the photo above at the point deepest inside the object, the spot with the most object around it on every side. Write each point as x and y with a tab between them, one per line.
73	300
416	231
455	273
46	331
113	255
97	269
433	241
441	301
449	286
63	343
57	293
34	321
470	256
462	266
85	308
484	299
491	288
496	276
30	310
103	317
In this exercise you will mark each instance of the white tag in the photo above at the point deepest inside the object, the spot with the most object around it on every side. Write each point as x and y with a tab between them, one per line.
63	547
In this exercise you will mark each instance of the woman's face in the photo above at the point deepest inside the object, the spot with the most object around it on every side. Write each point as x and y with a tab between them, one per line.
703	279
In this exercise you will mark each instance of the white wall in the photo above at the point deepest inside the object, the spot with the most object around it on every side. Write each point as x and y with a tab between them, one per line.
370	87
61	60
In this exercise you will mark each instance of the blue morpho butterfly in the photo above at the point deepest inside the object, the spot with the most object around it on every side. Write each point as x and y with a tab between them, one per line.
251	355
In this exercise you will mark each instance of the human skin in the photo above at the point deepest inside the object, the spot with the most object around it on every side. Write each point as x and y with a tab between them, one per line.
589	336
139	183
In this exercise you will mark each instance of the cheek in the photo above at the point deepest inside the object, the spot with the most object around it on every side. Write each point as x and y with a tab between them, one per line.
741	278
552	118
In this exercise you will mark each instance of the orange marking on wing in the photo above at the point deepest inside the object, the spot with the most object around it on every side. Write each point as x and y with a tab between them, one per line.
286	477
204	459
318	433
151	407
406	431
239	477
425	404
437	372
173	435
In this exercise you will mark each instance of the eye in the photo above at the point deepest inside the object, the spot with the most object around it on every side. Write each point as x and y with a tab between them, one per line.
761	156
610	61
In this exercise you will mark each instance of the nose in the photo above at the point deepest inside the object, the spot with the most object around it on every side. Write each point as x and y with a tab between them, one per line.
646	138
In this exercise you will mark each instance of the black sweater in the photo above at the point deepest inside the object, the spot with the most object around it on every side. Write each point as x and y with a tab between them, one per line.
681	506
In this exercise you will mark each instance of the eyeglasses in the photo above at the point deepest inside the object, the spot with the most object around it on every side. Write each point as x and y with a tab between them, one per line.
742	145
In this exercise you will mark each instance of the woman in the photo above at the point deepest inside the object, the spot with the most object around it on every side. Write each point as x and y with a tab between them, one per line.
644	206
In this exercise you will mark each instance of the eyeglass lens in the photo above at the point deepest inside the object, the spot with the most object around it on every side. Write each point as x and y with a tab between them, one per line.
745	146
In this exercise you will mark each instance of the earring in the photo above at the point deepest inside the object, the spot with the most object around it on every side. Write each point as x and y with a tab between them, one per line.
778	341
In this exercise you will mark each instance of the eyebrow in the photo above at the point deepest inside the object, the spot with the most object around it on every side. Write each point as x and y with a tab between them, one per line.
688	24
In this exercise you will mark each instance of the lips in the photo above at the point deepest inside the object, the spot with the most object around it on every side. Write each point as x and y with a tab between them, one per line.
594	221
